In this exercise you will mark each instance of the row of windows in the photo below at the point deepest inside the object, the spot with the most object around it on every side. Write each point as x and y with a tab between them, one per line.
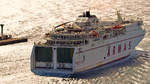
121	48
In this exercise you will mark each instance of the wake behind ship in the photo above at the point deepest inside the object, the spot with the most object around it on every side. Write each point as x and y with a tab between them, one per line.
85	43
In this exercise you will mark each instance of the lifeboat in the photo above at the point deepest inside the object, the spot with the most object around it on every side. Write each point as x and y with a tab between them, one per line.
117	27
94	33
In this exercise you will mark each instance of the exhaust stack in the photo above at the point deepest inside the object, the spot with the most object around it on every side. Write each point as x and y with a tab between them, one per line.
2	25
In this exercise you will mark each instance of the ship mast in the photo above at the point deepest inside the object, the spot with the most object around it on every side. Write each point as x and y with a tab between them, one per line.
120	20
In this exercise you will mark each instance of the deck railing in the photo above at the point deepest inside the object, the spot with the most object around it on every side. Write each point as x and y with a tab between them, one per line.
66	42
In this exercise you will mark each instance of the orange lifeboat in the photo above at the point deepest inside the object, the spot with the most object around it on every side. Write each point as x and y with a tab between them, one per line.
94	33
117	27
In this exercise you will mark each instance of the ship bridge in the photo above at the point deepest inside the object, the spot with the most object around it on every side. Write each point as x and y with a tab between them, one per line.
87	21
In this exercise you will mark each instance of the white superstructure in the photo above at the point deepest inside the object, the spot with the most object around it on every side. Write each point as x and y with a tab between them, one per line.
86	43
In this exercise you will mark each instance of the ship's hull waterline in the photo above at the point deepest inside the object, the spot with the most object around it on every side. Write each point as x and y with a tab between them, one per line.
72	60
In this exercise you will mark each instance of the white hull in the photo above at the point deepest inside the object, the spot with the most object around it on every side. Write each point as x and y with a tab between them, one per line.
95	54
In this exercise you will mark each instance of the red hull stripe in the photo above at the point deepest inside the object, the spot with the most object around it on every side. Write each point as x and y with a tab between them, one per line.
109	44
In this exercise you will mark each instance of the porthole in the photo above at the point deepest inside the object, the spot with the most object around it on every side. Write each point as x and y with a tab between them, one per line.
104	57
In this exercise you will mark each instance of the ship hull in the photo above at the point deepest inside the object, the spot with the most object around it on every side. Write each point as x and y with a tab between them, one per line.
12	41
98	56
84	58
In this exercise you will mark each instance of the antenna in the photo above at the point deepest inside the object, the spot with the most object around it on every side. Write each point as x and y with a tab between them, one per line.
119	17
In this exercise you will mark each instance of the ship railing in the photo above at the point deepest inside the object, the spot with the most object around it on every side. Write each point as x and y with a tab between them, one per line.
70	36
66	42
110	33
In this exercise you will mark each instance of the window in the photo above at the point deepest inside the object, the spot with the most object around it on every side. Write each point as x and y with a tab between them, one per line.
125	47
129	45
108	53
114	50
87	24
119	48
104	37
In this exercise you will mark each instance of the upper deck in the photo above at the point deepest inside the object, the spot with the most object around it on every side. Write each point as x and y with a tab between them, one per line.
85	28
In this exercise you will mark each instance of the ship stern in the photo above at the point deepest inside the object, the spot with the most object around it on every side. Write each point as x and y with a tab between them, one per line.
52	60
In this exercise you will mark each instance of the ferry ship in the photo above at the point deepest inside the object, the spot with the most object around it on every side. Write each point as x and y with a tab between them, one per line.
86	43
